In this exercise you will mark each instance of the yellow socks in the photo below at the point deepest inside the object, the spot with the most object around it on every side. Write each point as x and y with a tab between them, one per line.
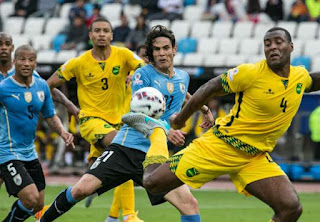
123	199
158	151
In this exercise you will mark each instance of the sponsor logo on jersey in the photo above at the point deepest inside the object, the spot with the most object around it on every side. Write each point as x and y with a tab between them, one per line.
182	88
115	70
41	95
269	91
17	179
137	80
158	83
285	82
16	96
170	87
299	87
102	65
90	75
192	172
28	97
232	72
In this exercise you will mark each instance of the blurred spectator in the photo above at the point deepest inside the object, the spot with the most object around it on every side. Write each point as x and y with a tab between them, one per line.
138	35
77	35
253	10
24	8
298	12
314	9
207	13
149	7
121	32
274	9
95	14
0	24
77	10
171	10
46	8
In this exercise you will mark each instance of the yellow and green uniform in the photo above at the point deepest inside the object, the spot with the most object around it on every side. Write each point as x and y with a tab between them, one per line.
239	143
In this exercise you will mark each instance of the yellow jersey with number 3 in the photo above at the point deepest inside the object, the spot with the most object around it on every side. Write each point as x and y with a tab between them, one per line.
265	104
101	84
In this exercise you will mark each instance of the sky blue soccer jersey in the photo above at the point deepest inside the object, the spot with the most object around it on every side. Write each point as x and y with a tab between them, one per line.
173	89
20	108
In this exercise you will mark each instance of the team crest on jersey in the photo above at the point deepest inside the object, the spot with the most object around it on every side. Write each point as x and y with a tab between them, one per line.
232	72
170	87
137	80
182	88
41	95
192	172
28	97
299	87
115	70
17	179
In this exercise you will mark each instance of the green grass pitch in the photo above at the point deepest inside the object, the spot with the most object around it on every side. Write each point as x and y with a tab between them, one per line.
226	206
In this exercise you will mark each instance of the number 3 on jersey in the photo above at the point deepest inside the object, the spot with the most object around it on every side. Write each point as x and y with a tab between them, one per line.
105	83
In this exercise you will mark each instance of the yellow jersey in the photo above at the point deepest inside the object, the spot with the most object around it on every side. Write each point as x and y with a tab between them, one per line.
101	84
265	105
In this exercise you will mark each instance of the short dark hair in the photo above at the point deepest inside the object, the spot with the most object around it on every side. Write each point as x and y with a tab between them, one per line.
288	36
155	32
24	48
99	19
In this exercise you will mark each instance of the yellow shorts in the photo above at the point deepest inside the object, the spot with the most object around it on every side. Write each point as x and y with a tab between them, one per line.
209	157
93	129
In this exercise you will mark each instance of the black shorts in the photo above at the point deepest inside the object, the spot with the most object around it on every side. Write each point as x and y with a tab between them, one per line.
19	174
119	164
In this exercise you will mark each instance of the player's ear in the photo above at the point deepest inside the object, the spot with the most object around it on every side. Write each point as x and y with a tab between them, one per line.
175	47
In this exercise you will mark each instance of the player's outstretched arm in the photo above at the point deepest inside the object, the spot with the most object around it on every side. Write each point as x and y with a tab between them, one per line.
315	82
207	91
57	96
56	125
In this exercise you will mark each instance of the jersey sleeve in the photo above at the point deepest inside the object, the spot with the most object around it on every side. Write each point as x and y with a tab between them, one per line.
236	79
47	109
308	81
69	69
140	79
133	60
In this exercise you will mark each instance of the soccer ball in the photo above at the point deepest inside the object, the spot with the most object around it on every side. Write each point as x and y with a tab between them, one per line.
149	101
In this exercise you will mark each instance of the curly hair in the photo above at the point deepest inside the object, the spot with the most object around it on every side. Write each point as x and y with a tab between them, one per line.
155	32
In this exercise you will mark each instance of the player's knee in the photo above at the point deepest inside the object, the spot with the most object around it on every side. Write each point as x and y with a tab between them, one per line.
292	208
189	205
30	200
80	192
150	185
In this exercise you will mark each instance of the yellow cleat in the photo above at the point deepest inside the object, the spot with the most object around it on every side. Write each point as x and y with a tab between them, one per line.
133	218
40	213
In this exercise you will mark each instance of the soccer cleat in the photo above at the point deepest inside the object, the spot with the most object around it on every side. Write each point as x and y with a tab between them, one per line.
88	200
40	213
144	124
133	218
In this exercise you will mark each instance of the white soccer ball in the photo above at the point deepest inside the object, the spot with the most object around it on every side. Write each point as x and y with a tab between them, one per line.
149	101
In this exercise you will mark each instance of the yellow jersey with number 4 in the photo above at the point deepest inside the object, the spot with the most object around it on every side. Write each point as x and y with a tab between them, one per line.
101	84
265	105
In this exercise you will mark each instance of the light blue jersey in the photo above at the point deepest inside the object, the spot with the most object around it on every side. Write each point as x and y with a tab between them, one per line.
174	90
20	108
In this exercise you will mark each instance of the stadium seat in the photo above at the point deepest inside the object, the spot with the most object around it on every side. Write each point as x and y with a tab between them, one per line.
41	42
187	45
6	9
111	11
235	60
192	13
291	27
228	46
222	29
201	29
298	46
46	56
132	11
207	45
163	22
260	29
34	26
215	60
312	48
287	7
243	29
13	25
58	41
315	64
250	46
193	59
65	9
177	61
65	55
304	61
307	30
255	58
19	40
180	28
55	25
